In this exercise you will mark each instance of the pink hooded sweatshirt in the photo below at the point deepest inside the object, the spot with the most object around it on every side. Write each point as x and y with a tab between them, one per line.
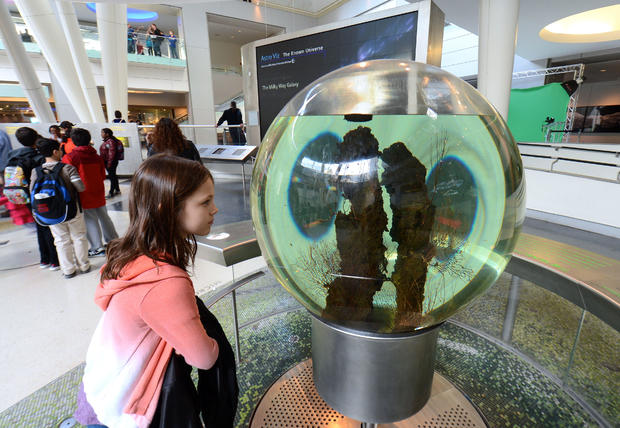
149	311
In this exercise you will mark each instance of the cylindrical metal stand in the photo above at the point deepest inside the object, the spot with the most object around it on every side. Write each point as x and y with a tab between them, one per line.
373	378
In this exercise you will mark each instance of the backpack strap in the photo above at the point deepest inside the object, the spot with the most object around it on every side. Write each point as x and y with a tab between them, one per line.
58	168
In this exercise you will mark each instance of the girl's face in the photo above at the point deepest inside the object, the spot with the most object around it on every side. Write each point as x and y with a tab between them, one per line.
199	210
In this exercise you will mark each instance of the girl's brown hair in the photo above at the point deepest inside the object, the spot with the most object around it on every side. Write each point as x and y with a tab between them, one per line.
167	137
158	191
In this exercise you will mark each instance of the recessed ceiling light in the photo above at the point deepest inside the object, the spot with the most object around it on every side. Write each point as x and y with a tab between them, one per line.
603	70
596	25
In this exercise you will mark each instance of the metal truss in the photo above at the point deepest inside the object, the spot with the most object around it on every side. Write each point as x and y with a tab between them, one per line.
577	70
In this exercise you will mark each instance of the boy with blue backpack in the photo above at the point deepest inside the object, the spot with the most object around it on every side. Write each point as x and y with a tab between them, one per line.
54	191
17	171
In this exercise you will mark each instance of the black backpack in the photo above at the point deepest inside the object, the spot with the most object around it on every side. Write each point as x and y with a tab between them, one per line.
52	202
120	149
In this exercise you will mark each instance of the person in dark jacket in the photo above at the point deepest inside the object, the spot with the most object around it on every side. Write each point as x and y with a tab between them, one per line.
233	116
29	158
157	37
111	156
180	405
118	117
167	138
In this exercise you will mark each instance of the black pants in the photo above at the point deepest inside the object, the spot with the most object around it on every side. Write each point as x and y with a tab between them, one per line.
236	136
47	250
157	47
113	178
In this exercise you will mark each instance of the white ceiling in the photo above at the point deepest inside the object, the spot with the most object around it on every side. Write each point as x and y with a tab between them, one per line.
533	16
238	31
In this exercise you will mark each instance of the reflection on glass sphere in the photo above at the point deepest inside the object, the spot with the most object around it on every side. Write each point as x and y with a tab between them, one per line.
386	195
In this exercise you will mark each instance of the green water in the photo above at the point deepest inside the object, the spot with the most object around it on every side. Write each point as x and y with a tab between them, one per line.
451	204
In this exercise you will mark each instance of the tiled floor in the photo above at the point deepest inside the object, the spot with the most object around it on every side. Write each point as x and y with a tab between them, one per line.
508	391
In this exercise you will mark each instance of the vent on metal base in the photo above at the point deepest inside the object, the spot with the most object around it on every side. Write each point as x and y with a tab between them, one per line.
293	402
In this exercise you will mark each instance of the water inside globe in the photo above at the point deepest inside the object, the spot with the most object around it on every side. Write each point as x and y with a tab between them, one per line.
387	223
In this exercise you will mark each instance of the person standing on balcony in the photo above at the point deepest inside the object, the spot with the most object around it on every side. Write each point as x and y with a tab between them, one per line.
26	37
140	40
131	39
233	117
156	37
149	44
172	43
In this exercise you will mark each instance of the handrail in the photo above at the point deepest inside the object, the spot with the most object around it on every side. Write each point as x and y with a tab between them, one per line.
577	292
597	161
232	287
574	291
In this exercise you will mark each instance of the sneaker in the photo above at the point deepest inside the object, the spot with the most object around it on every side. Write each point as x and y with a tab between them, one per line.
70	275
96	253
87	270
109	195
54	267
44	265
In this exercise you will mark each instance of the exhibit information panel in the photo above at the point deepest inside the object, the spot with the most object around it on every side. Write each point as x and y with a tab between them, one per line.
127	133
284	68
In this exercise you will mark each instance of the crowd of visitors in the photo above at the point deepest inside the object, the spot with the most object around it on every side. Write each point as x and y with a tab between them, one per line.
28	177
149	41
66	244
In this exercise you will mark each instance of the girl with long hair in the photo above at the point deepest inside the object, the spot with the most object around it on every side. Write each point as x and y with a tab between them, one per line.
168	138
148	297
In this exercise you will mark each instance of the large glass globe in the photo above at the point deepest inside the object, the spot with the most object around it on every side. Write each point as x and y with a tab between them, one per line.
386	195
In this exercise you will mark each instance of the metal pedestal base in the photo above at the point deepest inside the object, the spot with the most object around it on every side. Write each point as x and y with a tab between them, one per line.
373	378
294	402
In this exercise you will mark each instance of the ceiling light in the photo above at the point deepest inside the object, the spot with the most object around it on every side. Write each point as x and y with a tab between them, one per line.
596	25
133	15
603	70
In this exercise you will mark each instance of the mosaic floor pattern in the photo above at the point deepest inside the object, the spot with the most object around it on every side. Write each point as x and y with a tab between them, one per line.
275	336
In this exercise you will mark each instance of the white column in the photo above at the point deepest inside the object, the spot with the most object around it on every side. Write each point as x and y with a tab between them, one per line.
64	109
23	67
112	26
69	22
198	54
43	24
497	26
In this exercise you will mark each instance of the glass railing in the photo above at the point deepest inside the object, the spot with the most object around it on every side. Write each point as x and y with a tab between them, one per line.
141	47
572	346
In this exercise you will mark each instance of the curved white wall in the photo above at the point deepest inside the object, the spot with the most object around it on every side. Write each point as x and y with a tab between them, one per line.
579	198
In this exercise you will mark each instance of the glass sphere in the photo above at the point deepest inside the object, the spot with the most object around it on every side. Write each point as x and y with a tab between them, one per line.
386	195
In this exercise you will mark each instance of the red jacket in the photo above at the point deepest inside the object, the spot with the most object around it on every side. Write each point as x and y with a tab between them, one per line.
108	151
92	172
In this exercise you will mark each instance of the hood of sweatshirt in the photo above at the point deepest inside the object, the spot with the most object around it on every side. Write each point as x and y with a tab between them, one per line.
142	270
